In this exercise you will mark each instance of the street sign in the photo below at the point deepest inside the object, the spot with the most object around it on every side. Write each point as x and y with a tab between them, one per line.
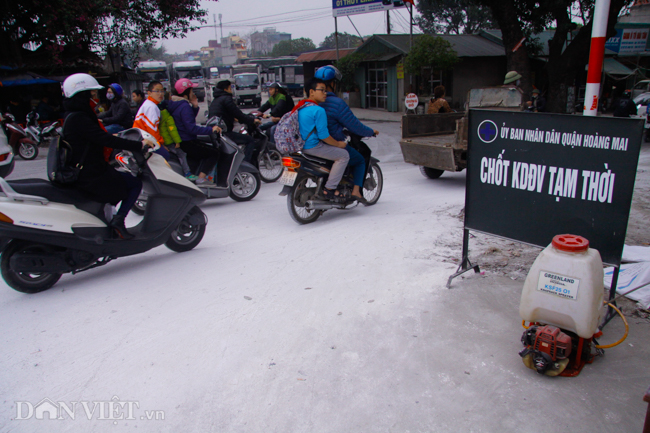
342	8
531	176
411	101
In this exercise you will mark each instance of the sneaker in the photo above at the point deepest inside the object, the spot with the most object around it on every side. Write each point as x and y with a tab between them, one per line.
204	182
191	177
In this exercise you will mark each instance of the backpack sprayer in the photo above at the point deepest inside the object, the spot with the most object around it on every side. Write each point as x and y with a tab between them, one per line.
562	300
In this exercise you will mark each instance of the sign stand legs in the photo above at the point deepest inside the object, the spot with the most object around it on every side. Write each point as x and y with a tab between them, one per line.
465	264
612	294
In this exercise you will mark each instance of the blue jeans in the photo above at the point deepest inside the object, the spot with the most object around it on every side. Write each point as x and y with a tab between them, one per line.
358	165
114	128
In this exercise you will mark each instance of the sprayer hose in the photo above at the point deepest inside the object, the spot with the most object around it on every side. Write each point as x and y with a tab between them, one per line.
627	329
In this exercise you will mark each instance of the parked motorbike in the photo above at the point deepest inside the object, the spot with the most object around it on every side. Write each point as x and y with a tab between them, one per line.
41	134
47	230
233	178
19	141
266	157
305	177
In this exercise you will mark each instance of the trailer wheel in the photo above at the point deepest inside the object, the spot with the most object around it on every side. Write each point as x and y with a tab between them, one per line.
431	173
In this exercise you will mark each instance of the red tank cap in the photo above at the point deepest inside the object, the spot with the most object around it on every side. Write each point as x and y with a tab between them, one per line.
570	243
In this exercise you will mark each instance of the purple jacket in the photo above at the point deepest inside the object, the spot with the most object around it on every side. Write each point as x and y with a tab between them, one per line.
185	118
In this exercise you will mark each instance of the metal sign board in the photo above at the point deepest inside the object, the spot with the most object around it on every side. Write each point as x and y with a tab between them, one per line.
342	8
531	176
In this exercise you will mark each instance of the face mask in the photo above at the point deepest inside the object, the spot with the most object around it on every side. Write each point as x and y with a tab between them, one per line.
518	82
110	96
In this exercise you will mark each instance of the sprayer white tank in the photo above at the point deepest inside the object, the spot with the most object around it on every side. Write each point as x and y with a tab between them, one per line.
564	287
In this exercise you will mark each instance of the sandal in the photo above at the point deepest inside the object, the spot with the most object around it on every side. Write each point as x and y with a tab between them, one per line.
329	194
360	199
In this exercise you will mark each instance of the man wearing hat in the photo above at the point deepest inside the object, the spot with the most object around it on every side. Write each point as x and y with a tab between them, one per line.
537	104
512	77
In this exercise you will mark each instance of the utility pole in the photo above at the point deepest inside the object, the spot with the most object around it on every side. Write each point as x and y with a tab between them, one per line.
214	18
388	22
336	38
221	26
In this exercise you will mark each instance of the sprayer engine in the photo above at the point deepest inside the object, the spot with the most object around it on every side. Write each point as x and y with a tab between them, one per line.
546	349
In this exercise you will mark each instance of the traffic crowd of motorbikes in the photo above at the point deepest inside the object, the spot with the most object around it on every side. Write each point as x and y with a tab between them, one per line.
162	165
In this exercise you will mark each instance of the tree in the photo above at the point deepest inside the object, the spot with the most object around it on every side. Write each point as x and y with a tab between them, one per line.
453	16
519	19
430	52
346	40
90	25
292	47
348	66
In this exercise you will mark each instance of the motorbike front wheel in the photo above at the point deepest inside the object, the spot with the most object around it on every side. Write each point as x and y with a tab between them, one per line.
27	150
374	184
25	282
245	186
186	236
270	166
302	192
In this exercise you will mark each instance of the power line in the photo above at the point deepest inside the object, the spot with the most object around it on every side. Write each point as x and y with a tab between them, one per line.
275	15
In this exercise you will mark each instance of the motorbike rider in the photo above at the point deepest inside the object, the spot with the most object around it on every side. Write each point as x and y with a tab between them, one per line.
225	107
87	139
339	116
148	117
137	97
280	103
318	141
118	117
184	109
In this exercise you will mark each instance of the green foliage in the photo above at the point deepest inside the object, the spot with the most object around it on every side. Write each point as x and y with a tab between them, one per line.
292	47
430	52
91	25
346	40
348	66
453	16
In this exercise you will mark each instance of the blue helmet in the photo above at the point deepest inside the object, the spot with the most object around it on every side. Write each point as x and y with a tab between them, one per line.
328	73
118	89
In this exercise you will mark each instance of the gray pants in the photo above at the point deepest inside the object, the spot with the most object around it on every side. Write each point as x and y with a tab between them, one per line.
333	153
182	158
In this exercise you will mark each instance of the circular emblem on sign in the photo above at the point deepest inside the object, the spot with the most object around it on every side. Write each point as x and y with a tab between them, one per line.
411	101
487	131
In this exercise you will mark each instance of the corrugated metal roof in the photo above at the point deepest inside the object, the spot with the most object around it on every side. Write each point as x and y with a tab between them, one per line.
318	56
464	45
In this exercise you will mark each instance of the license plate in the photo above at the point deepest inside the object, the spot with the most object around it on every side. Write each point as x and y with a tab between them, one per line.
288	178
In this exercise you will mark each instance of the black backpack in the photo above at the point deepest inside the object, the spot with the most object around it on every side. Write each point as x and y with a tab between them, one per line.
60	171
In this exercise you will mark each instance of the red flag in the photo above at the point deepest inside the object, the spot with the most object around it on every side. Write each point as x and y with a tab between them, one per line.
410	1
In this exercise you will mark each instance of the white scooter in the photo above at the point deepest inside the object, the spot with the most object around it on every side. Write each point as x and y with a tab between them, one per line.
47	230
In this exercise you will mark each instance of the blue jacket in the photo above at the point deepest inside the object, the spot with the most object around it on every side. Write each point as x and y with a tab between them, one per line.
340	116
185	118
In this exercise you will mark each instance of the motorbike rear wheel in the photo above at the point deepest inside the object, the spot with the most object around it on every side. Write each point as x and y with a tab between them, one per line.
27	150
23	281
270	166
374	184
245	186
186	236
302	192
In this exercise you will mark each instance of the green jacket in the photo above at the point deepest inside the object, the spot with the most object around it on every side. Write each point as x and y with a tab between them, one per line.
168	128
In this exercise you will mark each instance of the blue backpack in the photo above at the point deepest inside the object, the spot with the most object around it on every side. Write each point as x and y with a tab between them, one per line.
287	133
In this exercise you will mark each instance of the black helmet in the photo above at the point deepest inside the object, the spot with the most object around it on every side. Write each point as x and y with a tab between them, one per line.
275	85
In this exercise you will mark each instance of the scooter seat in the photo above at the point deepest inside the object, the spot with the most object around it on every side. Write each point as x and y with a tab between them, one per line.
44	188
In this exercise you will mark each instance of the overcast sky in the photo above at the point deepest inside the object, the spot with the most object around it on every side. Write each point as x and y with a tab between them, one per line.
302	18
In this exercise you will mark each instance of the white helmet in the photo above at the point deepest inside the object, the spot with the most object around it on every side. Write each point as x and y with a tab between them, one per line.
76	83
